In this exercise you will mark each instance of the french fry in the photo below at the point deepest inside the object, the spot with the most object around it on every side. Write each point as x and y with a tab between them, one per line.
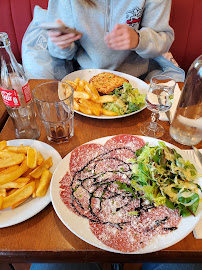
12	160
79	94
18	183
94	90
8	177
36	186
18	195
90	104
6	154
2	191
88	100
76	81
104	99
76	105
3	145
73	84
26	174
11	191
9	169
40	158
44	183
21	168
80	87
31	158
36	173
84	109
88	88
1	201
109	113
18	203
18	149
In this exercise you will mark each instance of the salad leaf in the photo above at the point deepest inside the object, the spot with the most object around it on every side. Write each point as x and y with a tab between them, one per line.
127	100
166	178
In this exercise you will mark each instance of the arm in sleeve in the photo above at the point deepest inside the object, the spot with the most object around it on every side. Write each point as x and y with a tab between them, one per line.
57	52
155	34
60	9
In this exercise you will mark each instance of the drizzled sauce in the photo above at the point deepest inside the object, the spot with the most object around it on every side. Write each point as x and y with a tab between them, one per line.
94	194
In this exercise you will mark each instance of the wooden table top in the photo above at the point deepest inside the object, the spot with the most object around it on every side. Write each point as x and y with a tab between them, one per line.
44	238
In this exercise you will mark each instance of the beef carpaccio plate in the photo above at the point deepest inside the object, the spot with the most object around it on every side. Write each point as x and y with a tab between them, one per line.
88	200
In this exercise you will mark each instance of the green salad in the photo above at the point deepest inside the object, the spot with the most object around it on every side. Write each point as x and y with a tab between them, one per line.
127	100
165	178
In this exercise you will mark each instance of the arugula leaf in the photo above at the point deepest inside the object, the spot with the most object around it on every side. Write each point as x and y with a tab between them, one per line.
125	187
140	150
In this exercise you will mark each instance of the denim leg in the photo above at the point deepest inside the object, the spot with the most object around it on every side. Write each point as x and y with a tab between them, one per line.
64	266
172	266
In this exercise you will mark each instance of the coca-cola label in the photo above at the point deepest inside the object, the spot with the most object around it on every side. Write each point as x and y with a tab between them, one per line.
10	98
27	92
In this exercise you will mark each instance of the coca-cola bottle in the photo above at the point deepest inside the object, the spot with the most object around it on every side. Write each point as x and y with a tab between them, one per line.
16	93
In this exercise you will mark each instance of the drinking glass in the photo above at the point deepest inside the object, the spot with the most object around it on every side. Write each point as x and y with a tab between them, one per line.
54	103
158	99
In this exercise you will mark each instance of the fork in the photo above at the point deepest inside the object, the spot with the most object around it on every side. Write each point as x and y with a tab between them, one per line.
192	157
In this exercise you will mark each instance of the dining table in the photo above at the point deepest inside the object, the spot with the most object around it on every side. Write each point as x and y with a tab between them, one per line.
44	238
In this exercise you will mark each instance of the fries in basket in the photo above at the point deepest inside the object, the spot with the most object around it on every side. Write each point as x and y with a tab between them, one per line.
23	173
88	100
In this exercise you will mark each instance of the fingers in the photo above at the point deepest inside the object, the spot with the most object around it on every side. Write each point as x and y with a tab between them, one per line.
63	40
122	37
59	21
54	33
60	39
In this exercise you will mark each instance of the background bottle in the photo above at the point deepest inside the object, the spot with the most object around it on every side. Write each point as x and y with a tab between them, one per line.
186	127
16	93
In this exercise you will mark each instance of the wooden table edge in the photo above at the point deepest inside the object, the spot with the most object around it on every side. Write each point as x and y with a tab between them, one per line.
101	257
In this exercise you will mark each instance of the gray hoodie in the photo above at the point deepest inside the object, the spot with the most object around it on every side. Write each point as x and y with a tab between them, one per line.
150	18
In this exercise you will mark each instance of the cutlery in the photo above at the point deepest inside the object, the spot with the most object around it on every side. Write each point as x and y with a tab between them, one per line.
198	155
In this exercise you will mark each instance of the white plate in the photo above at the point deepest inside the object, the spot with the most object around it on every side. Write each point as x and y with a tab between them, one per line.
31	207
80	226
87	74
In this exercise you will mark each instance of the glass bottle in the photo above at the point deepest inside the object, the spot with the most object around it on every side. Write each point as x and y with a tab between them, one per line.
16	93
186	127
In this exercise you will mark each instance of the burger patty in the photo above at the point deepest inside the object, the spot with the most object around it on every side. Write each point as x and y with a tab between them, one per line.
106	82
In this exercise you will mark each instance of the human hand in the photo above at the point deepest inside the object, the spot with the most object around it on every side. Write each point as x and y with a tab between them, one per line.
62	40
122	37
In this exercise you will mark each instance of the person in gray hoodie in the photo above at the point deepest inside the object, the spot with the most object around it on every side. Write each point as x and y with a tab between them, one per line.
122	35
127	36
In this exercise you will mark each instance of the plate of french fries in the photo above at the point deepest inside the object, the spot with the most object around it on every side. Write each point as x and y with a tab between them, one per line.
26	169
88	101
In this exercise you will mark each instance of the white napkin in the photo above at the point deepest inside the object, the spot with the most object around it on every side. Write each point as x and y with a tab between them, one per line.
177	93
198	229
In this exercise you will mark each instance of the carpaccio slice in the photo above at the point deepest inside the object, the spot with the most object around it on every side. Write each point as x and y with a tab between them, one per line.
92	190
82	154
126	141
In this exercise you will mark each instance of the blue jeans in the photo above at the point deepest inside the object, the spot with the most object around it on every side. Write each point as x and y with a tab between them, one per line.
64	266
172	266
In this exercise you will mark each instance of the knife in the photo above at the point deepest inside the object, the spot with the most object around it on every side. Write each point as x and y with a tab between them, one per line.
198	154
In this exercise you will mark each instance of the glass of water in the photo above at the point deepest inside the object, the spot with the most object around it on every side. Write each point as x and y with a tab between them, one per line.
159	98
54	103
